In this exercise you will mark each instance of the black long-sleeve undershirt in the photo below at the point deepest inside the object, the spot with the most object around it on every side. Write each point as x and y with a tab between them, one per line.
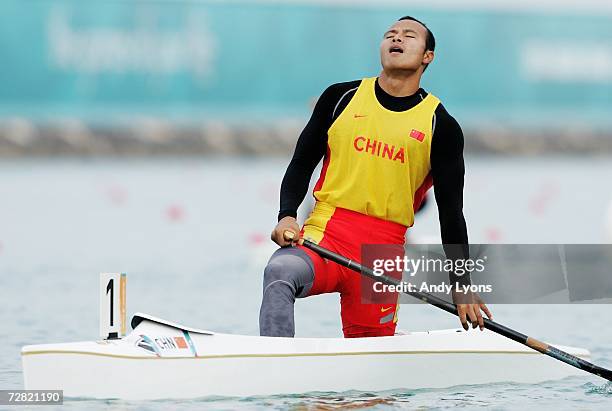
447	165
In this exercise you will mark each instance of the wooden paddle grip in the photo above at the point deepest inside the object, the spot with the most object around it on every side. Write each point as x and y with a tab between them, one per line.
288	235
537	345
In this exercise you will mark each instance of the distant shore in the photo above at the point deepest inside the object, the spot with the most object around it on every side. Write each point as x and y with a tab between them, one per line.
22	138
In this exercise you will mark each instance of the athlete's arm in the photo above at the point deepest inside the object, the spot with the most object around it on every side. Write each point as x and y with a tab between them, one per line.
310	149
448	170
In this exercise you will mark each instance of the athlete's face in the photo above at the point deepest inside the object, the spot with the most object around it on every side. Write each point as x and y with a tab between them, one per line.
403	47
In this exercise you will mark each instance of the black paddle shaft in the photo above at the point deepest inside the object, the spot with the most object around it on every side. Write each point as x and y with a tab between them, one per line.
451	308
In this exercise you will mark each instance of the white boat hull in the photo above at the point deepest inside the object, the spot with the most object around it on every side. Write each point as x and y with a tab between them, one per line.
186	363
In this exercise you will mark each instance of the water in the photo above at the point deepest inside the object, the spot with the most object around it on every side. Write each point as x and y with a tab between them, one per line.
191	234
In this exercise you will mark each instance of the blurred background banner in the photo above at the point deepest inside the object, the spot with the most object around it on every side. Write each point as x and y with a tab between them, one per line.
189	71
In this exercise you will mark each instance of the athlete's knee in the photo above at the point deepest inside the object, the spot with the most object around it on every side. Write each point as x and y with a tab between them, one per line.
275	271
287	271
277	275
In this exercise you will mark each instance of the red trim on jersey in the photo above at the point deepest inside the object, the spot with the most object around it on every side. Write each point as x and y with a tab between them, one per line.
420	193
321	179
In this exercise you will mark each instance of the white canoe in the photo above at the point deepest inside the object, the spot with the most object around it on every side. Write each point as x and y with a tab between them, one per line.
160	359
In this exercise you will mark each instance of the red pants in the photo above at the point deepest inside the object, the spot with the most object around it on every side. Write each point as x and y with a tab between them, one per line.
345	232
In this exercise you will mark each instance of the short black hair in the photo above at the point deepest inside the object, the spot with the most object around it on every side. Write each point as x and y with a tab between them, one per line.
430	41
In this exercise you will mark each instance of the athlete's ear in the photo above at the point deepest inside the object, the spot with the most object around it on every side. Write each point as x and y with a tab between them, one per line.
428	57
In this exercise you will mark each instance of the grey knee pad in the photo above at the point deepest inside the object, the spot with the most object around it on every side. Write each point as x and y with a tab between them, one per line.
290	267
288	275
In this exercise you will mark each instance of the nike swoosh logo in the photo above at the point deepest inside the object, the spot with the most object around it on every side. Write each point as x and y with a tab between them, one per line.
360	115
384	310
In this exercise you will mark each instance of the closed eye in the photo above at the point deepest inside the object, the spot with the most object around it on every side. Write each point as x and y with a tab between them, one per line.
390	34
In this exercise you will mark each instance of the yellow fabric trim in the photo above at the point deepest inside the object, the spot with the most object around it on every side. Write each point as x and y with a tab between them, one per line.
314	226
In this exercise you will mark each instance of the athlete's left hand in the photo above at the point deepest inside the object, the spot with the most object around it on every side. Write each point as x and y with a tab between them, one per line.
469	307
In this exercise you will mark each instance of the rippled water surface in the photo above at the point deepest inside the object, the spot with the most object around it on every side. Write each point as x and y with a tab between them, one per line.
192	236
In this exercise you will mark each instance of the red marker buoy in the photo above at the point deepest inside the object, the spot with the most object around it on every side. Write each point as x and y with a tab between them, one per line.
175	213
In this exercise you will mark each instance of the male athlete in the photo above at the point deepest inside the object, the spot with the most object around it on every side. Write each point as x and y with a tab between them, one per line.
384	141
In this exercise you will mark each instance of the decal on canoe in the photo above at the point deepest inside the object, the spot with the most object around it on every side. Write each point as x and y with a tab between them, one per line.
146	343
191	345
180	342
165	345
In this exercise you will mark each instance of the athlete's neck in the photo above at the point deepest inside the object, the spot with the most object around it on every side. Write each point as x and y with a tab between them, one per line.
400	84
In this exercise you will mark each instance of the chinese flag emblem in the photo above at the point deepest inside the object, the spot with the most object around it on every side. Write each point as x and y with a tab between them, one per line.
180	342
416	134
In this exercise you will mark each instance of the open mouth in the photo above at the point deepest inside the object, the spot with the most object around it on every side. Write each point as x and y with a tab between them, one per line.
395	49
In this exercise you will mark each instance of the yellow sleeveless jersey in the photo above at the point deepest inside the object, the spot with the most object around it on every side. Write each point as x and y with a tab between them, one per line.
377	160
